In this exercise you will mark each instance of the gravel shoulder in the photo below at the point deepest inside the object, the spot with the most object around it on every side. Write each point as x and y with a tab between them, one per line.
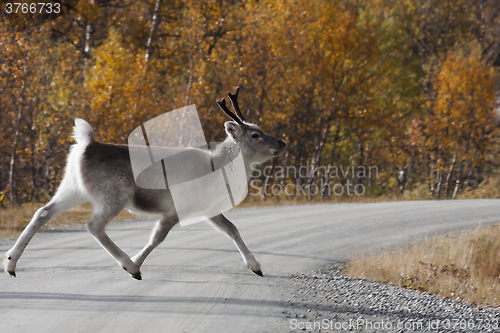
327	301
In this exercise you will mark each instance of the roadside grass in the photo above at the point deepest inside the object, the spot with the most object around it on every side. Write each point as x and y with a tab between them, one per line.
14	220
253	200
463	266
489	189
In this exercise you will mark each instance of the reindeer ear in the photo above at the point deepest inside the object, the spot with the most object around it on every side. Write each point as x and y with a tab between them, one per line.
233	129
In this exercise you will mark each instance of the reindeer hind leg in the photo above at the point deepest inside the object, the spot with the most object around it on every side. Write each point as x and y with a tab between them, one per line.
96	226
61	202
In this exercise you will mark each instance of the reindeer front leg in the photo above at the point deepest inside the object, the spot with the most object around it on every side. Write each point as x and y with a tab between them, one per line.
227	227
159	233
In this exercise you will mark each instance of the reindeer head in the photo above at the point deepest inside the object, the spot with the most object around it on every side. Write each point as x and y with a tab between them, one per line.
256	145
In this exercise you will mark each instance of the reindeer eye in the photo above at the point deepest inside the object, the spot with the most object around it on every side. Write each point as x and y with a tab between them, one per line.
255	135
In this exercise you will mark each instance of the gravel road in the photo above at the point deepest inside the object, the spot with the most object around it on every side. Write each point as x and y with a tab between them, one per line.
196	281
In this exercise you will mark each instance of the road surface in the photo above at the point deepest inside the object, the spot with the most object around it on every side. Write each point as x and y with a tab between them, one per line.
196	280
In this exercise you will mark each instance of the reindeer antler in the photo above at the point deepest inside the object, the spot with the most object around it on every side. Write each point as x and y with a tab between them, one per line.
234	102
223	106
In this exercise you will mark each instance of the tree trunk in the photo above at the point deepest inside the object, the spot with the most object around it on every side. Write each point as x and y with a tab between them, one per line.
330	162
457	183
439	178
318	150
151	32
33	164
12	182
430	175
408	173
361	148
448	178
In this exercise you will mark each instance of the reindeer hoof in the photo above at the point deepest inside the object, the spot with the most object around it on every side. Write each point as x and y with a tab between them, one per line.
137	276
259	273
9	265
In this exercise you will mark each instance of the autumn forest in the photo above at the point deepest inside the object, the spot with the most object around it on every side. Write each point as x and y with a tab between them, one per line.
407	88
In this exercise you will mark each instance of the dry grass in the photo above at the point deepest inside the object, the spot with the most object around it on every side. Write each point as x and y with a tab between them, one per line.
464	266
14	220
258	201
489	189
